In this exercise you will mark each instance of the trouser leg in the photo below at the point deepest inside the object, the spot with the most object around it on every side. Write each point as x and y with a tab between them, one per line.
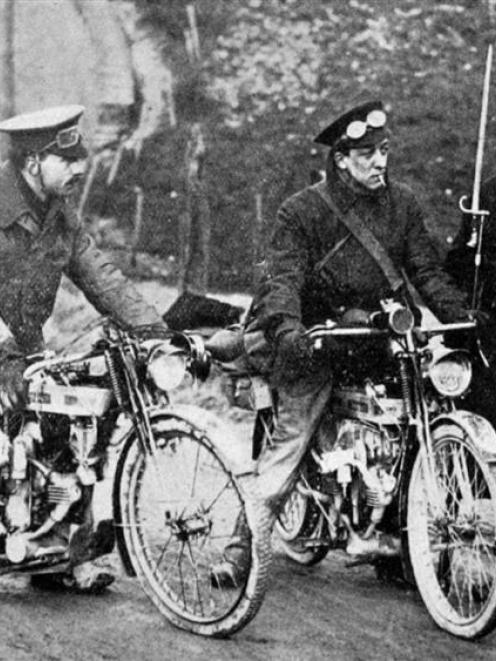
276	472
238	549
294	425
85	544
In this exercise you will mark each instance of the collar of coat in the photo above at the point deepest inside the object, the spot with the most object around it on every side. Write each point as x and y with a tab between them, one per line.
14	205
345	194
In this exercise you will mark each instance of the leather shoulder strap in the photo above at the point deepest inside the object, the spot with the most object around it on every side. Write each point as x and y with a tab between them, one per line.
363	234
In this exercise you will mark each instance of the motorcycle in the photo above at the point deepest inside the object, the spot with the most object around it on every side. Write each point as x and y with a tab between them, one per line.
175	500
399	476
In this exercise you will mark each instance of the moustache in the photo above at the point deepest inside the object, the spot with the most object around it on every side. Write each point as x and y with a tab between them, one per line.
73	180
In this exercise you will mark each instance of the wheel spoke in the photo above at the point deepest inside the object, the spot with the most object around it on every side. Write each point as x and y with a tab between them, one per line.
195	470
454	558
161	556
226	486
179	533
195	571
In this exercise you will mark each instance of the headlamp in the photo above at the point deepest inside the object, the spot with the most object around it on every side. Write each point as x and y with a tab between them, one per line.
166	366
451	374
397	317
401	320
376	119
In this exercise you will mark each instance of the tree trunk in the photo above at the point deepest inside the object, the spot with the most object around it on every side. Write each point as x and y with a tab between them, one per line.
195	222
7	81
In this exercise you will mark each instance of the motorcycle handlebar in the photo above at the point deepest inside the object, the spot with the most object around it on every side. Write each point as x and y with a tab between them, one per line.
324	330
191	344
446	328
342	331
51	361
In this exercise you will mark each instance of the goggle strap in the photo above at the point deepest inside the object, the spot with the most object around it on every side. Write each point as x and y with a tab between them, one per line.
358	128
65	138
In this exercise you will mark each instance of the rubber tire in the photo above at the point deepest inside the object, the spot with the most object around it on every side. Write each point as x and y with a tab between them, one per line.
312	524
257	517
430	594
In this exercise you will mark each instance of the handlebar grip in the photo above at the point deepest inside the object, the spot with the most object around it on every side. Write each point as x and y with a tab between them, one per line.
342	331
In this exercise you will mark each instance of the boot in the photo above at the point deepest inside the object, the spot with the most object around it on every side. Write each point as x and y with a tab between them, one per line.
86	578
233	570
87	543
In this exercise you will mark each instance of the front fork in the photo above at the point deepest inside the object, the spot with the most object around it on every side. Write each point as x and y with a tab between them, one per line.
417	412
418	442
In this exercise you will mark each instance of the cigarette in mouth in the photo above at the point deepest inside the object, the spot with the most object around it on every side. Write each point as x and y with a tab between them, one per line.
382	180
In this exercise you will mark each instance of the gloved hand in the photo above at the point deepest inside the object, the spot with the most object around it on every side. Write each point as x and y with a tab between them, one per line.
296	348
481	317
355	317
466	338
466	314
11	381
293	363
293	346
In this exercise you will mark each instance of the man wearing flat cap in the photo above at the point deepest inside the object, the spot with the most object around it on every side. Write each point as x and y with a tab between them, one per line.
41	238
317	269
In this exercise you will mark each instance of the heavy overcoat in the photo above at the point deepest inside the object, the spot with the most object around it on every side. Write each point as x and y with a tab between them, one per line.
36	248
317	270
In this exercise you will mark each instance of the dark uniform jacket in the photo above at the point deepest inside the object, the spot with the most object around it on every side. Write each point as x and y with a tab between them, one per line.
460	264
38	245
306	231
297	293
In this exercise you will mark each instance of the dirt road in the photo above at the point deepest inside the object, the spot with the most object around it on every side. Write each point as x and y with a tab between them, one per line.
328	612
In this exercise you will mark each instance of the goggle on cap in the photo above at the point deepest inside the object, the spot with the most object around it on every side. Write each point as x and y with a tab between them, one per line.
363	126
53	129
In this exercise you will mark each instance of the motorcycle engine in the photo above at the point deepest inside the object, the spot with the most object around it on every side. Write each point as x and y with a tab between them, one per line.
51	455
369	453
48	469
357	455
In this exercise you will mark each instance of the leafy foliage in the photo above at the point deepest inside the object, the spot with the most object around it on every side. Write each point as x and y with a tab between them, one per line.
274	73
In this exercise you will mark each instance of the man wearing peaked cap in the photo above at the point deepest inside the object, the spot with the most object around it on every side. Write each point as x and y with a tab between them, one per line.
41	238
317	269
53	129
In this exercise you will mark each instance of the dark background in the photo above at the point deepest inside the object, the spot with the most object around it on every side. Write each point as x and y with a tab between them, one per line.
292	66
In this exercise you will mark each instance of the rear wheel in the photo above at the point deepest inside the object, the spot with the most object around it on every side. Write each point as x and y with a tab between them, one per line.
301	527
178	509
452	534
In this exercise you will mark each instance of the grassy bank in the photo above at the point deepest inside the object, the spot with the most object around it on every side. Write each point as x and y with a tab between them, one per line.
274	73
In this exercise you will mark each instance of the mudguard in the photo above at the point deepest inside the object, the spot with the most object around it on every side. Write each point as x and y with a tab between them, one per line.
477	428
483	436
202	423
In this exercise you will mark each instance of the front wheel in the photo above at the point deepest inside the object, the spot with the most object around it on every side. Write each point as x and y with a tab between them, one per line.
178	509
451	522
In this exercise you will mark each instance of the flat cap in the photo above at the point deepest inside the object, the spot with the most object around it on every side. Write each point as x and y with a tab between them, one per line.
51	129
362	126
